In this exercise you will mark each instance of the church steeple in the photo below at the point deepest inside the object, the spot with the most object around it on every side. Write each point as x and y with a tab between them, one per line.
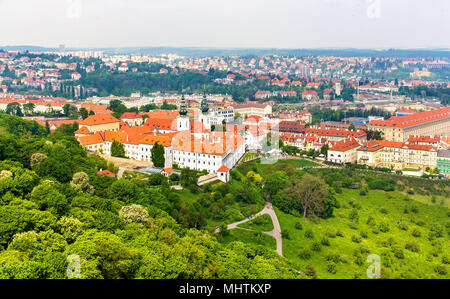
204	107
183	109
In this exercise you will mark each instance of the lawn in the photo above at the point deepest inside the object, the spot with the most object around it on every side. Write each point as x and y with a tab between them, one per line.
383	228
260	167
235	212
246	236
261	223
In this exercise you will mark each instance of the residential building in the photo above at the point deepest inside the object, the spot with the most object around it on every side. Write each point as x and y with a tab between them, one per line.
429	123
344	151
443	162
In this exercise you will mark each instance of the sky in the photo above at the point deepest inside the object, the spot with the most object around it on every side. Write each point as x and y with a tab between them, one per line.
374	24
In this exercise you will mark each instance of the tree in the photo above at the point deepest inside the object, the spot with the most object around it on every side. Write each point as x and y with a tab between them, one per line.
134	214
84	113
158	155
80	181
117	149
310	192
352	127
14	109
275	182
28	108
167	106
37	158
70	111
188	177
324	149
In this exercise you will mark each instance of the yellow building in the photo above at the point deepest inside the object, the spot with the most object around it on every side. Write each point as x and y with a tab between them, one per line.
397	155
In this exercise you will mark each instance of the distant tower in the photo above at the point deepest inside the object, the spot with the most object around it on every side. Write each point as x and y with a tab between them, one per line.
183	123
204	117
338	89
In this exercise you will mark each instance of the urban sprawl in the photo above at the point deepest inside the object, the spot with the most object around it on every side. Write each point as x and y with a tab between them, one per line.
207	113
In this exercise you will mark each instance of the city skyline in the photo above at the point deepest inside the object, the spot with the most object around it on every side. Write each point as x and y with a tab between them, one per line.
287	24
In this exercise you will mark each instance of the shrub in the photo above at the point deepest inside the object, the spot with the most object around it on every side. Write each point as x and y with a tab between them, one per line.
354	216
285	234
416	232
383	211
363	234
384	227
309	234
403	226
331	233
370	220
441	269
333	257
315	246
412	246
298	225
398	252
364	247
305	254
356	239
331	267
325	241
310	271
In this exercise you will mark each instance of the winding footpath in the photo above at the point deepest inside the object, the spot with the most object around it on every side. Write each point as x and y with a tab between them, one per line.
275	233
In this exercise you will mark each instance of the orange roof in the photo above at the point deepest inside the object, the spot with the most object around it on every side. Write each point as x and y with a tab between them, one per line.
163	139
99	119
168	170
345	145
130	115
107	173
83	130
413	119
335	133
162	124
420	147
91	139
223	169
425	139
375	145
162	114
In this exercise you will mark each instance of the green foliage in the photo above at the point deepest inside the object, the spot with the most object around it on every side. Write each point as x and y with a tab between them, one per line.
158	158
117	149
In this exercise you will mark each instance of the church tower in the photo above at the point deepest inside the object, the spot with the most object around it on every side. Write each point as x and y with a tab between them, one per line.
204	117
183	123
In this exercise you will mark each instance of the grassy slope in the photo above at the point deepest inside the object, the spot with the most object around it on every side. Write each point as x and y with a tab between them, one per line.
261	223
248	237
419	264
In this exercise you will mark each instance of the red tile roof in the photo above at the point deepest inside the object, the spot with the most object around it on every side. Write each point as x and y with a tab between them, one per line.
223	169
130	115
413	119
99	119
345	145
107	173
